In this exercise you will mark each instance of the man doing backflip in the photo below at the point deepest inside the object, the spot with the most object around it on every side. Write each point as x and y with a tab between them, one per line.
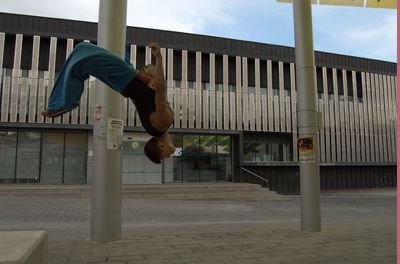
146	88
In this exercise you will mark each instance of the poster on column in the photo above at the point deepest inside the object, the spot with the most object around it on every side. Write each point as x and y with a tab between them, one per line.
114	133
306	149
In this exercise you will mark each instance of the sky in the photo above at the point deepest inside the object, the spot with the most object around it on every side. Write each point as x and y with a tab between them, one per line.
360	32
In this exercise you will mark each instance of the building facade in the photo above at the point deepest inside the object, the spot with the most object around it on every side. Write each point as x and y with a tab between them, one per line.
234	104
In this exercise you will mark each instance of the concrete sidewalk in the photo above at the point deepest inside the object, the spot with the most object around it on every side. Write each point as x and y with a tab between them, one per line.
367	241
355	229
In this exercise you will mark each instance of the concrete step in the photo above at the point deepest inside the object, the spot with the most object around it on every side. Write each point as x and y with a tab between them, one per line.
152	191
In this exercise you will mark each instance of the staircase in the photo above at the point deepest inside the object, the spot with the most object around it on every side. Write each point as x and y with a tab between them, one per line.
184	191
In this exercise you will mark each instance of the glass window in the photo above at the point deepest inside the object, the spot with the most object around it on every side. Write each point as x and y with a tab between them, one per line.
75	158
28	154
177	157
255	151
275	152
52	158
8	152
190	160
224	167
207	158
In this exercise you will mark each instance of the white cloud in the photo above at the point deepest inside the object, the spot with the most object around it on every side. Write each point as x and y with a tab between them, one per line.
362	32
179	15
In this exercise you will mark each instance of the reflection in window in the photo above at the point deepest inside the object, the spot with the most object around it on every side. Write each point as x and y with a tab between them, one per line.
267	152
75	158
8	152
52	158
28	154
202	158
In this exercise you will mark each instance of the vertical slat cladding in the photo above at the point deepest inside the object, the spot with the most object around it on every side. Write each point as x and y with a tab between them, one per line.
366	117
175	90
23	100
212	91
264	112
326	116
356	119
191	101
245	92
276	114
362	137
393	81
383	101
131	107
51	72
353	147
198	90
74	113
83	104
41	98
5	98
2	39
336	117
232	112
184	88
293	108
281	98
378	111
270	98
34	75
15	78
239	113
392	111
225	88
332	126
386	115
288	114
346	116
321	133
342	132
205	106
252	110
370	118
91	100
294	113
375	116
258	112
219	110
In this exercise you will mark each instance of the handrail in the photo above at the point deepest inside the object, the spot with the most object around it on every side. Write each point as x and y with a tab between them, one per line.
252	173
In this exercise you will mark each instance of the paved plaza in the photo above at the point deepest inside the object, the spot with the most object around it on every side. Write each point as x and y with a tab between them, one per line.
357	227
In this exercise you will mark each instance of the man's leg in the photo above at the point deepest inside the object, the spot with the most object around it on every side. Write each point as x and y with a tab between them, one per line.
85	60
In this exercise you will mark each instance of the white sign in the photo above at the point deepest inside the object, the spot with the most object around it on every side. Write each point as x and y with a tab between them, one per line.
114	133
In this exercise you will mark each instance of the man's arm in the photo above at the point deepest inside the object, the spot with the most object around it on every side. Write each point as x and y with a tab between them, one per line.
162	111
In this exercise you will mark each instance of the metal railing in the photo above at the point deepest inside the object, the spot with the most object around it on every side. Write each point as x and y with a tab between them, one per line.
259	180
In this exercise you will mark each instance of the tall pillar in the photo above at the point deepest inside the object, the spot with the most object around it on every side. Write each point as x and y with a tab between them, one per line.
107	131
307	117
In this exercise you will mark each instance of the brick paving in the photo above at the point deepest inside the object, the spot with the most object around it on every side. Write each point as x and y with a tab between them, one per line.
356	229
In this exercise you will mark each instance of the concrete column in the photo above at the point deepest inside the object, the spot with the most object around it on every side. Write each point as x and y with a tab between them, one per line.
106	179
307	116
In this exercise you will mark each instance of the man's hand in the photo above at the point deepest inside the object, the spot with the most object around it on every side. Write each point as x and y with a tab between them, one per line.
155	49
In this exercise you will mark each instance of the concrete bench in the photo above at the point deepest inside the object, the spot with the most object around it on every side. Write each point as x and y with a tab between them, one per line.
23	247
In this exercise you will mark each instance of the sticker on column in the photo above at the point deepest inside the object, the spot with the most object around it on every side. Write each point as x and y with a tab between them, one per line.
306	148
114	133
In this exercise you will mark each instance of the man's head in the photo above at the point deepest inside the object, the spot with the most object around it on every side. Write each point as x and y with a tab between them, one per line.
158	148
